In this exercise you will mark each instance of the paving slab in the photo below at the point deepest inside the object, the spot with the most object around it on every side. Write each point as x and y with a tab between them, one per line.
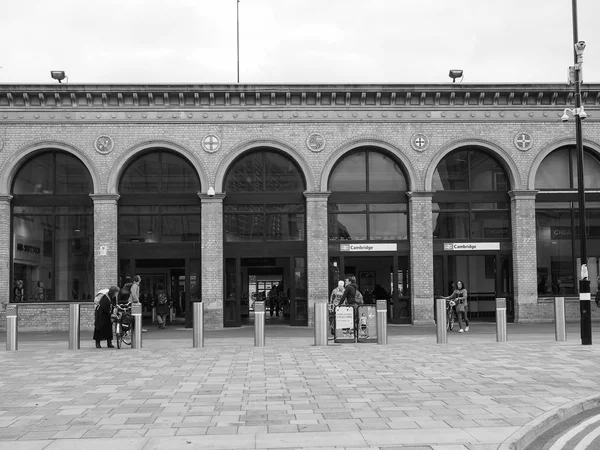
290	394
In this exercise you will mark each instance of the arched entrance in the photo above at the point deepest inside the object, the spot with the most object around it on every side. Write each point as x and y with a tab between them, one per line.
472	230
557	222
368	228
53	230
159	230
265	244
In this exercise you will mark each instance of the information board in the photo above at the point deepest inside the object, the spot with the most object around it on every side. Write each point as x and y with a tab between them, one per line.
344	324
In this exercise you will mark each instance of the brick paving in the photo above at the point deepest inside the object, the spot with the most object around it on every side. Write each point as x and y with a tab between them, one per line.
472	393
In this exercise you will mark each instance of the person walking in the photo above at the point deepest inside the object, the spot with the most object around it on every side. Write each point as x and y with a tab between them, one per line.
162	306
105	301
336	295
460	294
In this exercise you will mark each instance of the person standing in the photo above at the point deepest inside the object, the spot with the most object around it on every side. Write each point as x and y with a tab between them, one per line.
103	329
460	294
135	293
336	295
162	306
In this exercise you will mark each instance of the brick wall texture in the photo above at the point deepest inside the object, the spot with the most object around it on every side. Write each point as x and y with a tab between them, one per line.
341	125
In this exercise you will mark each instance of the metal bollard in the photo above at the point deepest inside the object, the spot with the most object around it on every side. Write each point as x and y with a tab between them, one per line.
321	323
500	320
259	323
198	334
441	321
12	325
136	312
560	329
74	326
382	338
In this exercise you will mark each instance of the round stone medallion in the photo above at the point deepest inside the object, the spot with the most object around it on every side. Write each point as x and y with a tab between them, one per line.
419	142
523	141
104	144
211	143
315	142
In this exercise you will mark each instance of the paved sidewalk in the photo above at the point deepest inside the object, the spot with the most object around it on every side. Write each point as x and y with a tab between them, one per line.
472	393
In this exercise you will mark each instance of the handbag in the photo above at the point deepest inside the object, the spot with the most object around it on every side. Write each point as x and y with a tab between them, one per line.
460	306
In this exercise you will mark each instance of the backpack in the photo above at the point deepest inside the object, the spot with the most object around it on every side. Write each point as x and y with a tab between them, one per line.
99	295
161	298
358	298
125	293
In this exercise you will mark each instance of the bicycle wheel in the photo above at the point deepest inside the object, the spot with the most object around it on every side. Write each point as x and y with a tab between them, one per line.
119	339
126	337
450	320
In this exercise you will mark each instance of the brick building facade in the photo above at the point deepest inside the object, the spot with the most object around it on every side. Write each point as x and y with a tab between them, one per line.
313	126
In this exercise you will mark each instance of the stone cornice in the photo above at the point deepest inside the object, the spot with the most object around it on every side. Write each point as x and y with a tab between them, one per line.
285	96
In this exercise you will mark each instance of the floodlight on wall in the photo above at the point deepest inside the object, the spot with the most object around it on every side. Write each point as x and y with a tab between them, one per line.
58	75
455	73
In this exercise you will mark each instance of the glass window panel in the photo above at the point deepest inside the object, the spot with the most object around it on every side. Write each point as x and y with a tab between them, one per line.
72	177
387	206
591	171
284	208
33	210
247	174
489	205
143	228
389	226
490	225
138	210
451	225
351	207
288	227
452	173
36	176
553	172
74	209
555	265
385	174
486	173
141	176
181	209
74	259
33	240
348	226
281	174
350	174
180	228
243	208
457	205
553	205
178	175
244	227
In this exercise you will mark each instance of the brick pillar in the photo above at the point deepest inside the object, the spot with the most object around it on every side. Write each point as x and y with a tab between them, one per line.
106	240
421	257
522	212
212	260
5	246
317	253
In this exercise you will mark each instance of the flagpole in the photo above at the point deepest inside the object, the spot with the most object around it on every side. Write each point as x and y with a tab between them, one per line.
238	41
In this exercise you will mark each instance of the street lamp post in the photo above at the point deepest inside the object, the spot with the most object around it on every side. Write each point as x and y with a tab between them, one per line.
579	114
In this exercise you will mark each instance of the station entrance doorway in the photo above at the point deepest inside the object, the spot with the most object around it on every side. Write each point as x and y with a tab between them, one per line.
179	277
273	273
486	276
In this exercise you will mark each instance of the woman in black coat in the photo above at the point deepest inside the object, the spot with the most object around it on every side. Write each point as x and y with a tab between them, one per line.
103	329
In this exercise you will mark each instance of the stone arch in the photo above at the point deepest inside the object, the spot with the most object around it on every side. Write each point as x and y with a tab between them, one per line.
24	153
549	149
504	158
353	144
246	146
131	153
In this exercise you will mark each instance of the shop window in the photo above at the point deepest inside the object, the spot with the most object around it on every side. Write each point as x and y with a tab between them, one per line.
53	256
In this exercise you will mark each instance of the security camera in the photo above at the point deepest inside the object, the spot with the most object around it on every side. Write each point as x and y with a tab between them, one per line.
582	114
579	48
565	117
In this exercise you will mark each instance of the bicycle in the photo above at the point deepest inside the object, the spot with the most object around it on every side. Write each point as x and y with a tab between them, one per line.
124	325
450	313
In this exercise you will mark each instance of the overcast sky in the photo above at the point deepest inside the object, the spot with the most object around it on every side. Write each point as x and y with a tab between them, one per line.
295	41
